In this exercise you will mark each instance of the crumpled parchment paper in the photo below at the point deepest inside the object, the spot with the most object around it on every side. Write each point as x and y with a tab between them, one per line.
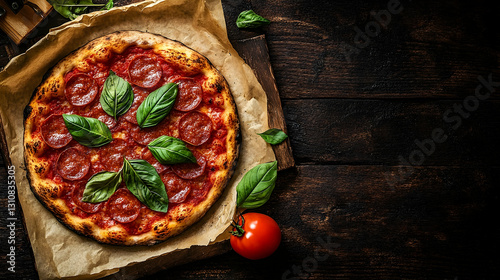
59	252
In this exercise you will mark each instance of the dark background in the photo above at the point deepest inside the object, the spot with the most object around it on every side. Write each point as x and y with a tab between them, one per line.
389	210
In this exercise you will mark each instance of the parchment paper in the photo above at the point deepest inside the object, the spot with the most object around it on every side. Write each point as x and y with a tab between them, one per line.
59	252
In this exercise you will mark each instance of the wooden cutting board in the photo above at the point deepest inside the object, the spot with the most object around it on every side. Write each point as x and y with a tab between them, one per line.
255	52
19	26
252	47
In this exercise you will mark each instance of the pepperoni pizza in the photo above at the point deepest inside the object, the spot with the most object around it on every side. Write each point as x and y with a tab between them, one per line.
92	163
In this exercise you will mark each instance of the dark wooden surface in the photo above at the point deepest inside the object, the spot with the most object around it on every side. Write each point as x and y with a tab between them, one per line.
353	126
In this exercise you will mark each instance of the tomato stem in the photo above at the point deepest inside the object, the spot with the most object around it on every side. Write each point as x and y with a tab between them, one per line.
238	229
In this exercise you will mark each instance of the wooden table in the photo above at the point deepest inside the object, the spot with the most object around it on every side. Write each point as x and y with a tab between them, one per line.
395	136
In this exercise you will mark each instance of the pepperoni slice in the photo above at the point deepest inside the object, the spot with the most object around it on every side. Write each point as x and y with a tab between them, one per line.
106	119
148	156
142	223
112	154
191	170
199	188
84	206
81	89
177	188
72	164
144	71
123	206
145	135
98	113
139	96
54	132
195	128
189	95
220	133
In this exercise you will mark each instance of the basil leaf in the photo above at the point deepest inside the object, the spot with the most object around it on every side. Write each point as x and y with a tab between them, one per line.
157	105
72	8
170	150
143	181
256	186
273	136
101	186
249	19
89	132
117	96
65	11
108	5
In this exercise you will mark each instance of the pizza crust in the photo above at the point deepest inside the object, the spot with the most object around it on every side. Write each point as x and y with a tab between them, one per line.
48	192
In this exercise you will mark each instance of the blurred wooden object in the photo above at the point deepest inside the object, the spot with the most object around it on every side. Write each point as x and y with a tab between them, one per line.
18	26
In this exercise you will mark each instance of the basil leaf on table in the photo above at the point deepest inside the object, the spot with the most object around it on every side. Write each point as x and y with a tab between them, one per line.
108	5
249	19
73	8
256	186
273	136
157	105
117	96
89	132
143	181
101	186
170	150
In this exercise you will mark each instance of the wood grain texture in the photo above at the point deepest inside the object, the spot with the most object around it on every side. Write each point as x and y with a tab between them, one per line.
344	131
429	50
438	225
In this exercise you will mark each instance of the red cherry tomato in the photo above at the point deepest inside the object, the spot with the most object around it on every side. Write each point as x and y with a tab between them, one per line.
260	236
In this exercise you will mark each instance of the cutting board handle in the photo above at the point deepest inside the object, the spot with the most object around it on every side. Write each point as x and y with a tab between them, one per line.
19	26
